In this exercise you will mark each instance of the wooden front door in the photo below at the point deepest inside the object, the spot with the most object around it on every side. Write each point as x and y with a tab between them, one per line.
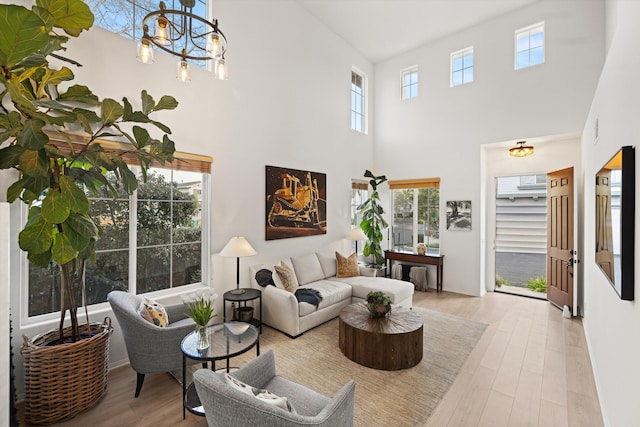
560	251
604	232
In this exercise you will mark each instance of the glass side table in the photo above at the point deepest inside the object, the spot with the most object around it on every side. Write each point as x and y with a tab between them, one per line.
226	340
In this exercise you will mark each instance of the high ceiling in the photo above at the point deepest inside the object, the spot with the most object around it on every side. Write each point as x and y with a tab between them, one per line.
381	29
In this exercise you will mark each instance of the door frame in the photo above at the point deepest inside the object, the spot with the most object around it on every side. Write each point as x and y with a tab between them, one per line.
551	153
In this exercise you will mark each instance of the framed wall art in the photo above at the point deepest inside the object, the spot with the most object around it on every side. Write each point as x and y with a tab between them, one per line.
296	203
459	215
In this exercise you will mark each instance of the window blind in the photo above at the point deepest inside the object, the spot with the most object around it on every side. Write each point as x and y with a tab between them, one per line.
414	183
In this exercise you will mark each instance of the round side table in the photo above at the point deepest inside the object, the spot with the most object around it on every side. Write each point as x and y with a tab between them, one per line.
249	294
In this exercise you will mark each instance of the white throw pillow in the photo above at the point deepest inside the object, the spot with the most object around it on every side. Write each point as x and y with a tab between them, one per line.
263	395
307	268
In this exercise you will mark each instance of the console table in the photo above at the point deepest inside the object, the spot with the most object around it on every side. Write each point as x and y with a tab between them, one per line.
436	260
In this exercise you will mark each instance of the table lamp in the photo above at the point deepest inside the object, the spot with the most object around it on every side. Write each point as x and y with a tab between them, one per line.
356	234
237	247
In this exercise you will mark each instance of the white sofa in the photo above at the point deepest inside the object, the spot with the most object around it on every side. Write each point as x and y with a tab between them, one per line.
282	311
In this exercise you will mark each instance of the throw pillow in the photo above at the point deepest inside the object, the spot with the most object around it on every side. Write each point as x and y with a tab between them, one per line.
154	312
264	277
263	395
347	267
286	275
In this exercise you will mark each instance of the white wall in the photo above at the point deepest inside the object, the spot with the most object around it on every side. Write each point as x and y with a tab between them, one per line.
286	103
612	326
439	133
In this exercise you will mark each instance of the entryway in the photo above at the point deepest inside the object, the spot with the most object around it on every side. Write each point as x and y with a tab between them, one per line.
521	235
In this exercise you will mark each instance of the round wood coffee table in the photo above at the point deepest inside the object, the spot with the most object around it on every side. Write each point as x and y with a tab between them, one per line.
389	343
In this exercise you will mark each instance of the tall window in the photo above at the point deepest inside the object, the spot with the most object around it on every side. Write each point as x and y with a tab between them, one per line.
151	240
416	214
409	82
358	101
462	67
359	193
529	46
125	17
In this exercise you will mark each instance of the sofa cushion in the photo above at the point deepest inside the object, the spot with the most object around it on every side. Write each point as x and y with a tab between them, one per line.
347	267
287	276
396	289
328	264
332	292
307	268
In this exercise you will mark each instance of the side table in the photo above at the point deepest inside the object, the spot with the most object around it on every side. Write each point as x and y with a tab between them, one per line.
249	294
226	340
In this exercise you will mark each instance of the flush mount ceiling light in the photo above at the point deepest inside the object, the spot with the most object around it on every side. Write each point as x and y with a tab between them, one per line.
186	35
521	149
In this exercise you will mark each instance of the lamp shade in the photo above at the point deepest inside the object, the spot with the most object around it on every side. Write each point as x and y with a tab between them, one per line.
356	233
237	247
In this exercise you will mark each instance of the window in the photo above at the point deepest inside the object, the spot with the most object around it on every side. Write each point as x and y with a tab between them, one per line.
359	193
125	17
358	101
152	240
529	44
462	67
409	82
416	214
533	180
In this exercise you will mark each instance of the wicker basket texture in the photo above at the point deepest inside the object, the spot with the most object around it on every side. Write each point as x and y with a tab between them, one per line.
65	379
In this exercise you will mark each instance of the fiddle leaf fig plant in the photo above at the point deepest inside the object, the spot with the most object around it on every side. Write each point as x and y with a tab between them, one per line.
52	135
373	221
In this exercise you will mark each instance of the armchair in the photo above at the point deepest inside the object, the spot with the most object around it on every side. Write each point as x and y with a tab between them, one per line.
150	348
227	406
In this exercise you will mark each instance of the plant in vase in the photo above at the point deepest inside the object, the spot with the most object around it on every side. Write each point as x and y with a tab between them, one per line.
52	137
201	308
378	303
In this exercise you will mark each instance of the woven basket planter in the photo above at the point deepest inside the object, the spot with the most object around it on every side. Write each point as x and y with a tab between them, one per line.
64	379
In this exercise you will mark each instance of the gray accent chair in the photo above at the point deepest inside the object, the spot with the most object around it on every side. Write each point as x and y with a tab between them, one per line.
228	407
151	349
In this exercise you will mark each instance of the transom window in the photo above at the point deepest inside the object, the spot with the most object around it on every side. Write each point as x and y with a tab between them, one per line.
529	46
358	101
125	17
462	67
409	82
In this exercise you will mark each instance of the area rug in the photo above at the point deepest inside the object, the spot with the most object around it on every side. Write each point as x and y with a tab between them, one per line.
400	398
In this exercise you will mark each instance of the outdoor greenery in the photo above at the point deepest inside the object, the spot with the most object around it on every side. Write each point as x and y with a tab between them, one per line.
427	214
501	281
539	284
51	135
373	221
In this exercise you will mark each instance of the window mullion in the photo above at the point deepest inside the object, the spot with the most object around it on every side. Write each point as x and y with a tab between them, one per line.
416	208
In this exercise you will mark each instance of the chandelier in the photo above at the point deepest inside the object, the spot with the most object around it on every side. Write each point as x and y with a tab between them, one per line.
186	35
521	150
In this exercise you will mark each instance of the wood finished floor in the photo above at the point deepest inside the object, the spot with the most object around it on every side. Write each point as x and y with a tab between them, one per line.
530	368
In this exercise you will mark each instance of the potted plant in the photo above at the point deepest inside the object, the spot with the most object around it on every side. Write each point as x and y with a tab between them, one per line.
200	307
378	303
373	221
52	136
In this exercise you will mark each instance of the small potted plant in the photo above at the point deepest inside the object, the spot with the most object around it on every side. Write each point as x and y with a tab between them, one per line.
378	303
200	307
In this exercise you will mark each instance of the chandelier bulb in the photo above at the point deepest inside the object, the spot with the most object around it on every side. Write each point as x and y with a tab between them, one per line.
145	52
215	48
162	31
184	73
220	69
